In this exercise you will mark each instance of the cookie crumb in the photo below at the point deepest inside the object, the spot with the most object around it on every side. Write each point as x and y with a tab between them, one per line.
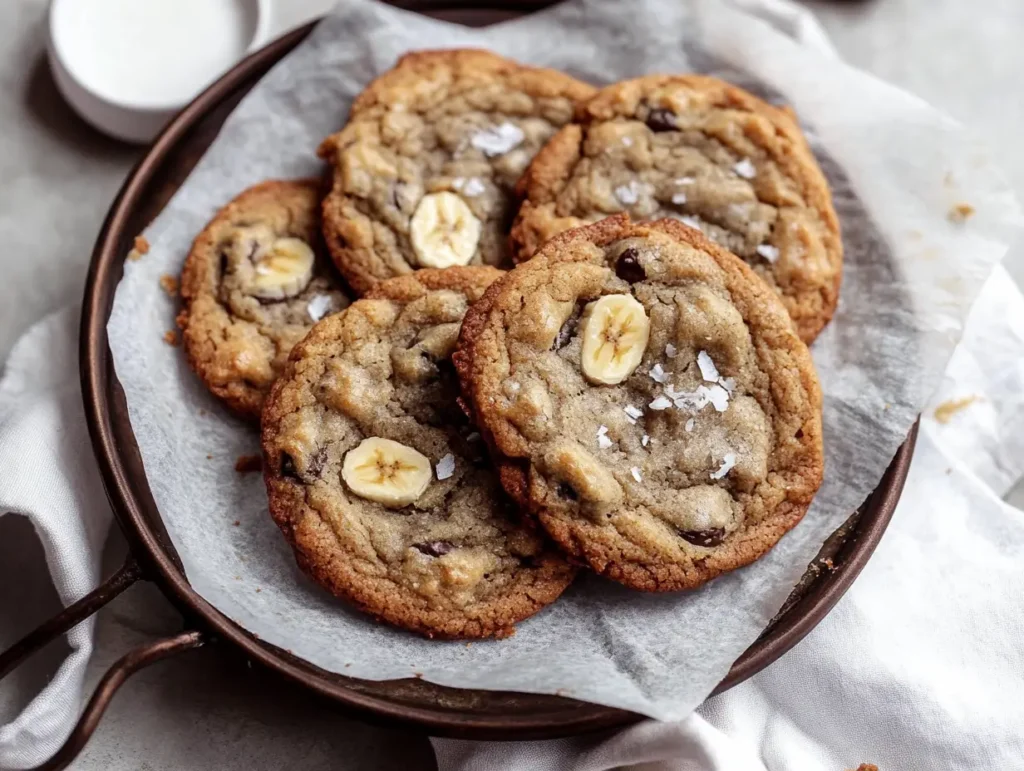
948	180
418	675
209	457
960	213
169	284
237	522
469	645
139	248
258	590
347	666
827	562
248	463
171	338
866	767
945	411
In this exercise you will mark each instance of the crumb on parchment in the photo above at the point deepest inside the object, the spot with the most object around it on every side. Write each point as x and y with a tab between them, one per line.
961	213
945	411
139	248
866	767
171	338
248	463
169	284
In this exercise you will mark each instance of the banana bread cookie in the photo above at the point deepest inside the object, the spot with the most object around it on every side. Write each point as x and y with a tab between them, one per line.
424	171
708	154
646	398
254	283
380	483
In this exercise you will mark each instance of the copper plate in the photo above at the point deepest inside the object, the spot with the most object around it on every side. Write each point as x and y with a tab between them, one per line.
439	710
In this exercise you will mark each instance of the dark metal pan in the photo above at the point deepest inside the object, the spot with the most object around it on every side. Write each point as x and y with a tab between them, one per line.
411	703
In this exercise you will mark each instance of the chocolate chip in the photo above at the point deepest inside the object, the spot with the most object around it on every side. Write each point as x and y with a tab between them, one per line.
566	491
799	433
628	266
565	334
316	463
660	119
288	470
434	548
710	537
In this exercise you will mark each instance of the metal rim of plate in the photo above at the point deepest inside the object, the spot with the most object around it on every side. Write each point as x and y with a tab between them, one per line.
415	703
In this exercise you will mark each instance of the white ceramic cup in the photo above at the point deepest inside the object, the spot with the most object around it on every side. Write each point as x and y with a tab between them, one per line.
127	86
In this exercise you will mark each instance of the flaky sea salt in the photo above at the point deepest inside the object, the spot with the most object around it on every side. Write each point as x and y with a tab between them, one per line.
661	403
708	370
602	438
627	141
689	425
728	383
636	474
671	351
319	306
498	140
685	181
727	465
645	440
745	169
689	221
769	252
658	374
446	466
473	187
679	198
628	194
718	397
458	182
633	412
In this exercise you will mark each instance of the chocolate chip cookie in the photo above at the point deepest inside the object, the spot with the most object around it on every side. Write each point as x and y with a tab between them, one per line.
380	483
708	154
424	171
646	398
254	283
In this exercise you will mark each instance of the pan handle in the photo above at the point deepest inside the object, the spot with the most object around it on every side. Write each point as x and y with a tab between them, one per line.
124	668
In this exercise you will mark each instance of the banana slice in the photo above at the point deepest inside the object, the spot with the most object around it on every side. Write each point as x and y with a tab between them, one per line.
615	330
386	472
443	231
282	270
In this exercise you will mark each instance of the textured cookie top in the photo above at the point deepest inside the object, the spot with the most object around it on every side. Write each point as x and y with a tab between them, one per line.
424	171
706	153
647	399
380	483
255	281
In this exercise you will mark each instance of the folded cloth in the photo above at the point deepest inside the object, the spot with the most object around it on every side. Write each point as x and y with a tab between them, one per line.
920	664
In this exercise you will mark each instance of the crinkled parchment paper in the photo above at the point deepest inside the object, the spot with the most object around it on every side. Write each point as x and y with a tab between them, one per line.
897	167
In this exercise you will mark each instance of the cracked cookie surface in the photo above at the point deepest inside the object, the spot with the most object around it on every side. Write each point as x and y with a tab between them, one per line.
382	486
254	283
646	398
423	172
706	153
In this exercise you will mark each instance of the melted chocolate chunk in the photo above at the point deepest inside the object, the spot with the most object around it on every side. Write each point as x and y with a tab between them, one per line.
434	548
628	267
288	470
566	491
316	463
565	334
710	537
660	119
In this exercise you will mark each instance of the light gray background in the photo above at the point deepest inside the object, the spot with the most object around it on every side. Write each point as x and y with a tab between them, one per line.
205	710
